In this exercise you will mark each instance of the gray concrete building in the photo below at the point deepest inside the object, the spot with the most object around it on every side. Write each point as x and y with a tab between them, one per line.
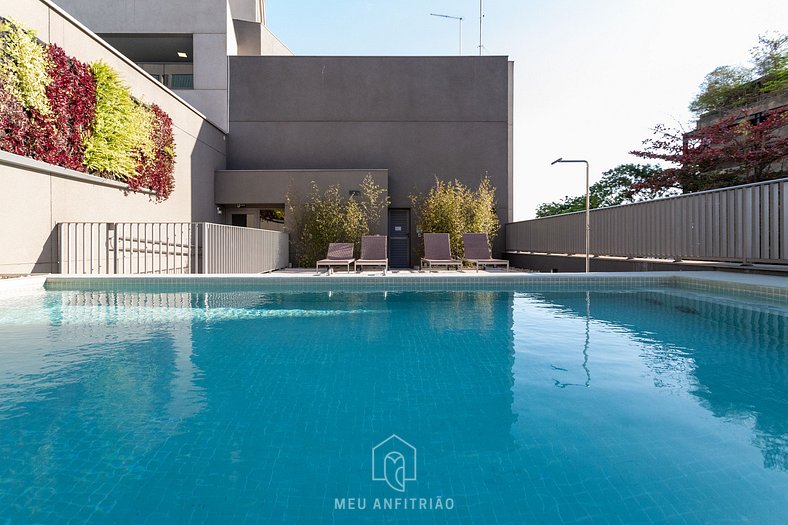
183	43
415	117
289	120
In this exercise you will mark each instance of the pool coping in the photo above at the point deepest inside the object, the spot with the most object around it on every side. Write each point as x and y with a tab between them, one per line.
737	284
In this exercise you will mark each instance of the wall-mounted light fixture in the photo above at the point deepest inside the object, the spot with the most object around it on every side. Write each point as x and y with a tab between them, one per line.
182	54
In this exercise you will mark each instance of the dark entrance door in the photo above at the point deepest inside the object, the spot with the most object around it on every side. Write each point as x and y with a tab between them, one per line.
239	219
399	238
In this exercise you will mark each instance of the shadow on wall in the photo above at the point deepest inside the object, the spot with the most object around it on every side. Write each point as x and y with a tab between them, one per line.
47	261
205	161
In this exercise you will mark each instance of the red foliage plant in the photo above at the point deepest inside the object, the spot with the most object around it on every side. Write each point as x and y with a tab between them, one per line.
72	97
14	123
156	174
55	138
739	149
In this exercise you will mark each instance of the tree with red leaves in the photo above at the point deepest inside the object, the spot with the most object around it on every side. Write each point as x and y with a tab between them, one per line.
739	149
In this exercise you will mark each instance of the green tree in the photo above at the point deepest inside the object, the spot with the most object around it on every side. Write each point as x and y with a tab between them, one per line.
732	86
770	58
770	53
725	86
454	208
617	186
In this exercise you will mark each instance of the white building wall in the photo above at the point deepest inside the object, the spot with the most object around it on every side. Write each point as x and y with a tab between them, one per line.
247	10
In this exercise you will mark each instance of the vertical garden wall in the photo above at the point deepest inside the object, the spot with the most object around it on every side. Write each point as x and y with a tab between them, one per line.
80	116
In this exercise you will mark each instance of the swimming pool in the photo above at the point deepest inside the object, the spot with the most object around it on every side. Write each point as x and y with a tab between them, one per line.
212	403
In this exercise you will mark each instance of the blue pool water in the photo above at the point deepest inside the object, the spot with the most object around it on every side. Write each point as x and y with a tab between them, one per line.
556	406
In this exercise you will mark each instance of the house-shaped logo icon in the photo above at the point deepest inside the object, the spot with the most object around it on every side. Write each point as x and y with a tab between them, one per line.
394	461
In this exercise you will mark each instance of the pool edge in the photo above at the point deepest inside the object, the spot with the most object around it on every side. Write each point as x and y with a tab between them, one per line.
772	287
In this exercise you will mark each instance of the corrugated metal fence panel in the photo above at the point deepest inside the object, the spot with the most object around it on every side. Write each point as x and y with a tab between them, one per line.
233	249
168	248
742	223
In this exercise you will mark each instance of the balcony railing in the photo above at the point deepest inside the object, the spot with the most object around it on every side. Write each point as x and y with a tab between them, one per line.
127	248
747	224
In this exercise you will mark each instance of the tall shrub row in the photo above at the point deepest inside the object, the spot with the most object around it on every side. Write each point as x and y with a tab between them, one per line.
59	110
454	208
321	218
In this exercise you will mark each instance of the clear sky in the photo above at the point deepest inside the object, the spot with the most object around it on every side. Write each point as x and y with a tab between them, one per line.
591	77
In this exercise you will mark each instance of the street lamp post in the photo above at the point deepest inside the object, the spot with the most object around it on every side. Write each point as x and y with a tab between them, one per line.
588	210
453	18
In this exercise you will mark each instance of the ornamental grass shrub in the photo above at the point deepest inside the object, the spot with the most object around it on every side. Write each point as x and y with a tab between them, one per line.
454	208
325	217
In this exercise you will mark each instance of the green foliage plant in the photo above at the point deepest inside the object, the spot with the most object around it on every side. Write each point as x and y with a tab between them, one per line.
24	64
323	217
770	53
724	87
122	131
454	208
733	86
623	184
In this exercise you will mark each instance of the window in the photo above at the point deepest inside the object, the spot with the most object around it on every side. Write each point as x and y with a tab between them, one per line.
757	118
182	81
172	75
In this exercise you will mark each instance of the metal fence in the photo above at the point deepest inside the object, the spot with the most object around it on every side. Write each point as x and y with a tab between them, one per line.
124	248
230	249
746	224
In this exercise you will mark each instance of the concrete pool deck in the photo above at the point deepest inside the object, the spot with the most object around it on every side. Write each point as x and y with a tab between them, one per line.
728	283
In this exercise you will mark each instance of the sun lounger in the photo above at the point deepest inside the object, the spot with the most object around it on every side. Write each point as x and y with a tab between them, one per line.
339	254
373	252
477	251
437	251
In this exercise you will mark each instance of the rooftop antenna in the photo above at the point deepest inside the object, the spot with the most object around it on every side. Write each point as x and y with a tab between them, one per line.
453	18
481	17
